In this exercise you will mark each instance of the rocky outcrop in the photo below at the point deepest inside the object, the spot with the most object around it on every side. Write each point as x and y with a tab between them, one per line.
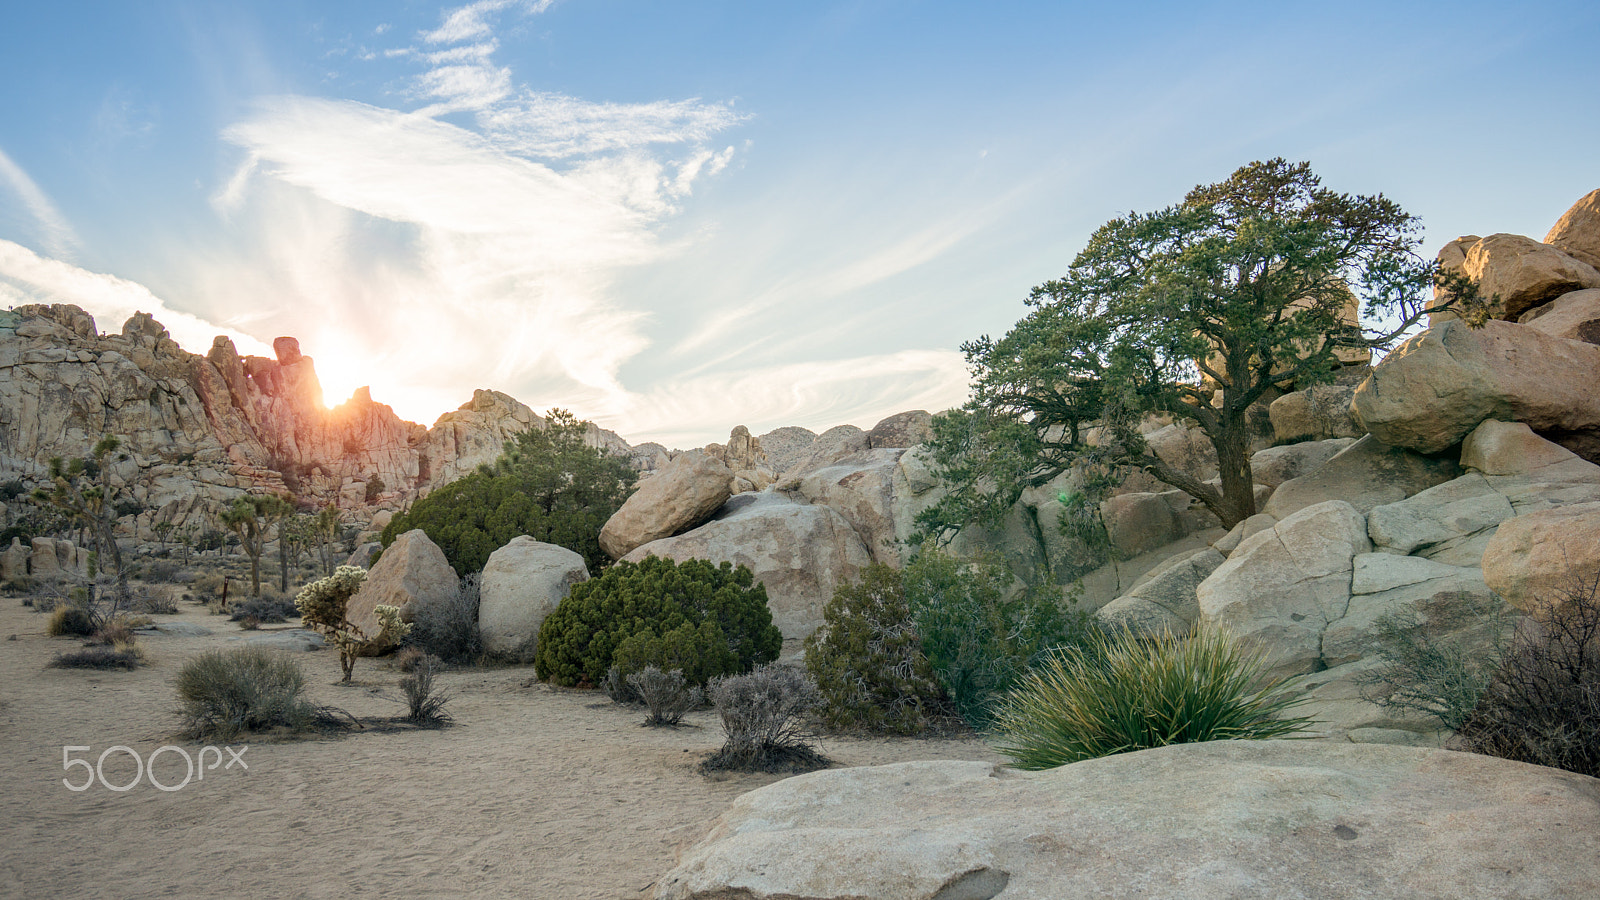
1165	600
1577	232
745	458
1574	316
901	430
1450	523
1432	390
1317	413
786	446
465	438
1282	587
861	488
411	573
14	561
1139	523
831	446
523	582
1365	474
1245	820
1275	465
1518	273
798	551
687	492
1383	584
1538	560
202	430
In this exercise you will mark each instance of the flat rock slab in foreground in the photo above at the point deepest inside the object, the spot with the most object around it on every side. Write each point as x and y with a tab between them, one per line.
1277	820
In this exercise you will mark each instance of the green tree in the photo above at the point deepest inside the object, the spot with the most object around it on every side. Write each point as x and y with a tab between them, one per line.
82	489
250	517
548	485
325	535
1250	286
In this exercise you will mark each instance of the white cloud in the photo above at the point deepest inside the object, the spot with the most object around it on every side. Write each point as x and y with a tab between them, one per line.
553	125
472	21
426	258
26	277
56	234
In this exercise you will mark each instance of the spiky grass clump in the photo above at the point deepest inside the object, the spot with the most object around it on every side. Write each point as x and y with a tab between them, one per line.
424	707
1123	693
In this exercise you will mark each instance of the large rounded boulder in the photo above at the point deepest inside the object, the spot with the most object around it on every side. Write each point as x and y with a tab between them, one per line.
523	582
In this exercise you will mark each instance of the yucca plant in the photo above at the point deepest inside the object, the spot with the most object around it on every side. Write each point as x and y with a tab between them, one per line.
1123	692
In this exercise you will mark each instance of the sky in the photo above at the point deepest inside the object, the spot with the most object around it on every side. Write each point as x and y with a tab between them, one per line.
675	218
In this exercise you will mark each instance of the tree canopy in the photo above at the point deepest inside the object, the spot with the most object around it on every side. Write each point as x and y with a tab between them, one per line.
548	485
1249	287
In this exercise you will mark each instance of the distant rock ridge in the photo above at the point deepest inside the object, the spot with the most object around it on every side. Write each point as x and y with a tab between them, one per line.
202	430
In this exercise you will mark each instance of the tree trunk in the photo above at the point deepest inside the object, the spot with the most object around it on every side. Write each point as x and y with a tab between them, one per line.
1233	464
283	562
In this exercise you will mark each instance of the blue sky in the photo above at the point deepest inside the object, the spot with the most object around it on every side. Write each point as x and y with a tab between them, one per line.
678	217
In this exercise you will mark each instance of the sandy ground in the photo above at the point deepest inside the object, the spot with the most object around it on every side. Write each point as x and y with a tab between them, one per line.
535	793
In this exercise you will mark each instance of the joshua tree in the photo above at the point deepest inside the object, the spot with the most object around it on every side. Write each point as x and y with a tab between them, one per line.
249	517
82	489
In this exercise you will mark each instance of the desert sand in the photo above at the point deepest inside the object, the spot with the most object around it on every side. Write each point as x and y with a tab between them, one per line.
534	793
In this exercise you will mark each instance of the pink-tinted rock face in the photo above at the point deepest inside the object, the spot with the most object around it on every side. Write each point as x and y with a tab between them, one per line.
287	350
202	430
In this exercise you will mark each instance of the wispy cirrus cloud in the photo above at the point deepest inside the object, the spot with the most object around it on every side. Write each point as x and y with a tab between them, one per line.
476	239
472	21
55	234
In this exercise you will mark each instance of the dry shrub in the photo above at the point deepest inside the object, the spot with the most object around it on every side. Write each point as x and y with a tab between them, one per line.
616	686
225	692
1543	706
71	620
408	658
161	571
762	714
115	631
424	706
209	585
449	629
108	656
263	609
154	603
668	695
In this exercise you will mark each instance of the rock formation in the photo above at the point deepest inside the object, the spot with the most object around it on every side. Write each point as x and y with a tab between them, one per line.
682	495
201	430
800	552
1235	819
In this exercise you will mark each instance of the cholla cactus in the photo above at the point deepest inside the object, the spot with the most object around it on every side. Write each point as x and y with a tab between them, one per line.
322	607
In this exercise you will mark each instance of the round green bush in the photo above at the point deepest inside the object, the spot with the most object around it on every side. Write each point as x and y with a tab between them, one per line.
696	616
867	659
1123	693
